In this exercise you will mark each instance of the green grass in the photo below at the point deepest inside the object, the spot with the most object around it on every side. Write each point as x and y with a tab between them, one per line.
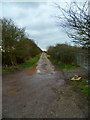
30	62
83	86
13	69
61	65
67	66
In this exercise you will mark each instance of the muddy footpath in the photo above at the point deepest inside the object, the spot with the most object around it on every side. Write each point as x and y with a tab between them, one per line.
40	92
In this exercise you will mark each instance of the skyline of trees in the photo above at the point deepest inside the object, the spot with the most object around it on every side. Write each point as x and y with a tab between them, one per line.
16	46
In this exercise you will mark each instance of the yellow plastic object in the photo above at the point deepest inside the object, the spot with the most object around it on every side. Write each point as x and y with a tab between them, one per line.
76	78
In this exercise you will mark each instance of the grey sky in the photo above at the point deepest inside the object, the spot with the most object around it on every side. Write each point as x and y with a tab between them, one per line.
37	18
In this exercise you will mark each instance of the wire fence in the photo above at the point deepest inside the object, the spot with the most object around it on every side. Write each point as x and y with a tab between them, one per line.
82	59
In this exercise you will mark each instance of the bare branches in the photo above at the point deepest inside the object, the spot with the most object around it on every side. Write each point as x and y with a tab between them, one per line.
76	22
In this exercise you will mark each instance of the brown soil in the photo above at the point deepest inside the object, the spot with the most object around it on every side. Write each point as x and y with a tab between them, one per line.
31	71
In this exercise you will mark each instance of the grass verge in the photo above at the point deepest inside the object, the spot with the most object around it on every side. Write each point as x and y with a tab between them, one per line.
82	85
61	65
30	62
27	64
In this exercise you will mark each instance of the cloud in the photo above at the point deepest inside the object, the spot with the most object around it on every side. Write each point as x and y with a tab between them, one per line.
37	18
43	1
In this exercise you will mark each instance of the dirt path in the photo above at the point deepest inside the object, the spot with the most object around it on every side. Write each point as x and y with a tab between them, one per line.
40	95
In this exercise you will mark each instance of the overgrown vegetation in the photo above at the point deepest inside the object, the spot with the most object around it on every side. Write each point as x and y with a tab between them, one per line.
63	53
82	86
61	65
31	62
28	63
63	57
17	48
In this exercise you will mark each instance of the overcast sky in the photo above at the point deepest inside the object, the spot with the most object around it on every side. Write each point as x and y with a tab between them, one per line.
38	19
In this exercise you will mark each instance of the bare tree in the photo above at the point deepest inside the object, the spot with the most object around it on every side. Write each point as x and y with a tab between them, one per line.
75	20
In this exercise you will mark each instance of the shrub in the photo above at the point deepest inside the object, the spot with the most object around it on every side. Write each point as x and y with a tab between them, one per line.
63	52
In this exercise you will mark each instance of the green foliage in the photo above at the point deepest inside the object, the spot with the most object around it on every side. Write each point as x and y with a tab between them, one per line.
63	53
67	66
16	46
61	65
13	69
83	86
31	62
